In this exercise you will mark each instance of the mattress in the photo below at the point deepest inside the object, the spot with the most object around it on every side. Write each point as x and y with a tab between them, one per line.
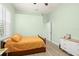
26	43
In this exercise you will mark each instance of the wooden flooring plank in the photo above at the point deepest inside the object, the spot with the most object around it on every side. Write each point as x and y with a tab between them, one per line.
51	50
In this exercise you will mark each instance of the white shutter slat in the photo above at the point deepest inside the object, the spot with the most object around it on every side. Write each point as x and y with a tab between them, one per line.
5	21
1	22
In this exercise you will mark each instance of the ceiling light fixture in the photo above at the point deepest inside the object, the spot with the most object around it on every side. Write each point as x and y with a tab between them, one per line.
46	4
35	3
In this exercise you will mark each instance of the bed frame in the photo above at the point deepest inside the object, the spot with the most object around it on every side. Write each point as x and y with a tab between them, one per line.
26	52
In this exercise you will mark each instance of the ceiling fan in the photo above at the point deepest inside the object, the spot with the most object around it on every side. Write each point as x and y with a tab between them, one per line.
46	4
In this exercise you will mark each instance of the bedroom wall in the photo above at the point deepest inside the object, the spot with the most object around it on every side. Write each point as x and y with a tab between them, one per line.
46	20
48	36
29	24
65	20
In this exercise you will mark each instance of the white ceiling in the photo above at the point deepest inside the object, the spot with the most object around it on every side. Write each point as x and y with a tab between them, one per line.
35	8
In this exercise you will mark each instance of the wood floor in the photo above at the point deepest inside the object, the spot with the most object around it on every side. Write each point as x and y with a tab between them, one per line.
51	50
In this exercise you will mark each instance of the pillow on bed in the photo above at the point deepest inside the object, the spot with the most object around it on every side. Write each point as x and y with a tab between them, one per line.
16	38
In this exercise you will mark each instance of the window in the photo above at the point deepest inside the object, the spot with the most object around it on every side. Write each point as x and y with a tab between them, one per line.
5	21
1	22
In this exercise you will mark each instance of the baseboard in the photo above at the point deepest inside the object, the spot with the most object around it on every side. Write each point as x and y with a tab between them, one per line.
55	43
47	39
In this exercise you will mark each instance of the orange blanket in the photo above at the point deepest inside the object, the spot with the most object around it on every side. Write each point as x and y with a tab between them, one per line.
26	43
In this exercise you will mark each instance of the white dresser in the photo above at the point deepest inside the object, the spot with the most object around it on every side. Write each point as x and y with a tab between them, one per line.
70	46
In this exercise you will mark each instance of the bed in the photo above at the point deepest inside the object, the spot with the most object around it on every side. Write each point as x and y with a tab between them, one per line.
26	45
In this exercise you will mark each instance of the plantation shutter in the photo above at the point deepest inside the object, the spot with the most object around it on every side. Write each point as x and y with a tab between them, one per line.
5	21
8	23
1	22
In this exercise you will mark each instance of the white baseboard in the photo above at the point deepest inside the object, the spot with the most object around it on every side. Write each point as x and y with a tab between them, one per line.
47	39
55	43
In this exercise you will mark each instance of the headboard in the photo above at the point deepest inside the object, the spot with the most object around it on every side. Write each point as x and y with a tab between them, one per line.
44	39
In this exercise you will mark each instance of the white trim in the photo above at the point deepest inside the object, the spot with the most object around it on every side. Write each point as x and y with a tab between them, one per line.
55	43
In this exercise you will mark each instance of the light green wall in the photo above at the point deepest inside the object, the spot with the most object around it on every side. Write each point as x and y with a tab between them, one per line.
48	31
46	18
29	24
65	20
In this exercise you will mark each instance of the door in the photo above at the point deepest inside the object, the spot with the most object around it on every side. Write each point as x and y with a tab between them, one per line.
49	30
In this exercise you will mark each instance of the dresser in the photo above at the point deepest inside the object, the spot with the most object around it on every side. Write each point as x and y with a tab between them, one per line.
71	47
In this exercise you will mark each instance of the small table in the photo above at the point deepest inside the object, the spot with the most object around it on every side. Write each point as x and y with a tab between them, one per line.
2	50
